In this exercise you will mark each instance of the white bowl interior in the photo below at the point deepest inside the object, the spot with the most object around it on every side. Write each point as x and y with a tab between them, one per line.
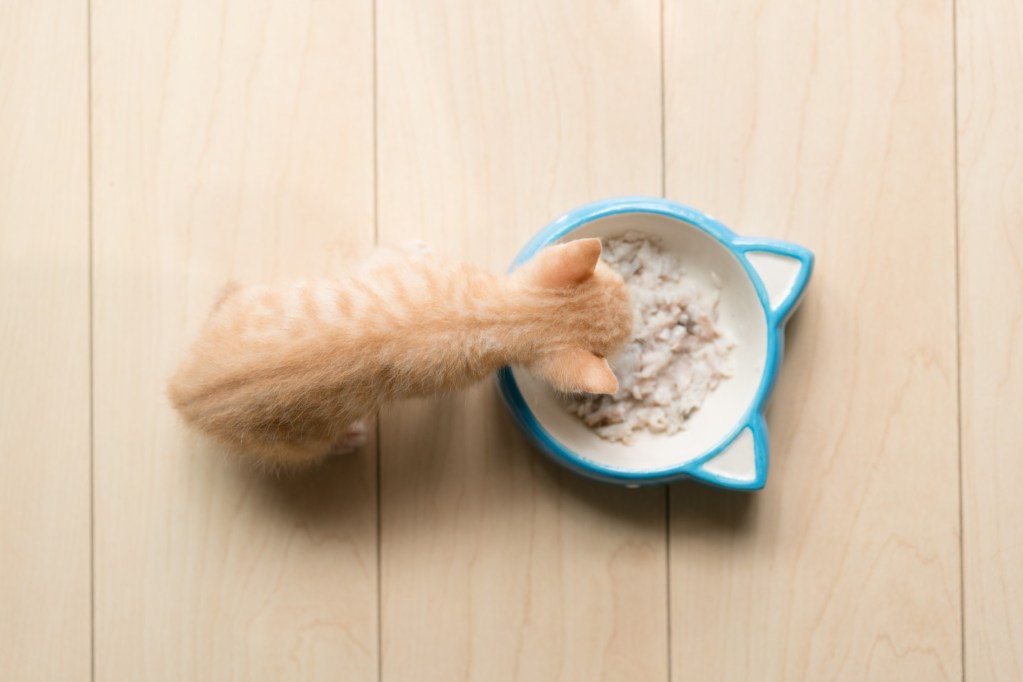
740	312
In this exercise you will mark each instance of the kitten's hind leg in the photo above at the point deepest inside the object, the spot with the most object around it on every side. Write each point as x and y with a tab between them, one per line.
353	438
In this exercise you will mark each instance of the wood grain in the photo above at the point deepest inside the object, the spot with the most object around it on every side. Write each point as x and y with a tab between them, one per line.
236	140
830	124
232	140
990	122
492	119
44	342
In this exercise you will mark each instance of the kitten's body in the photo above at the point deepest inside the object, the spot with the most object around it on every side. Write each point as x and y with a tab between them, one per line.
285	374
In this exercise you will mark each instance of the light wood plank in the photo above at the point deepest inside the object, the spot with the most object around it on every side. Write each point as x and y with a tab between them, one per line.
496	565
233	140
830	124
989	39
44	352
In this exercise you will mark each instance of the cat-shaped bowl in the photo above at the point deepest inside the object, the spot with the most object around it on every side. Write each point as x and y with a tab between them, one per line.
724	442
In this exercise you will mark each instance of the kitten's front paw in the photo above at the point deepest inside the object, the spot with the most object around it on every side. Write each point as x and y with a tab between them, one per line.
351	440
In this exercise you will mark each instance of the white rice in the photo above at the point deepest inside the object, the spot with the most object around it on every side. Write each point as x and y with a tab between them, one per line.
677	354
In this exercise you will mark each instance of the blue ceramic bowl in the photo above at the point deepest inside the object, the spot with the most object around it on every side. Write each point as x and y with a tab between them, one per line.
725	441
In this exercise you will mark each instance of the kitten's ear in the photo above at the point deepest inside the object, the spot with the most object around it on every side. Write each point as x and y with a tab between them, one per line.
577	371
566	264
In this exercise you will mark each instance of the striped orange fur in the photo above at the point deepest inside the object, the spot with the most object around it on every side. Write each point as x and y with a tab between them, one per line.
284	375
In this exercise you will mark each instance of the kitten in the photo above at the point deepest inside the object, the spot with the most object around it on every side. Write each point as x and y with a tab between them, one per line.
285	375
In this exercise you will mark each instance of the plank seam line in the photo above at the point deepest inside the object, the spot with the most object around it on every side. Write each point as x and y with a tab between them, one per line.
92	346
378	447
667	489
958	335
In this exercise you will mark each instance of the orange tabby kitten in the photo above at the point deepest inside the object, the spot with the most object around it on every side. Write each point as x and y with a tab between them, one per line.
284	375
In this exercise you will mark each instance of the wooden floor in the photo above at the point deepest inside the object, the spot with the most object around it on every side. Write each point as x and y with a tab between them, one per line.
149	151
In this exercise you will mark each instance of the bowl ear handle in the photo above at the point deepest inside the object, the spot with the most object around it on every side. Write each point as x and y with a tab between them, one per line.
783	268
742	464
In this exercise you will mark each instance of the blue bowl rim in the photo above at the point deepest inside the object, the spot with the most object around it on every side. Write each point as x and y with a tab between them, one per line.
775	318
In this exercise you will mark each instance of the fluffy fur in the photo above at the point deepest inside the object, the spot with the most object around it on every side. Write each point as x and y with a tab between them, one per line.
285	375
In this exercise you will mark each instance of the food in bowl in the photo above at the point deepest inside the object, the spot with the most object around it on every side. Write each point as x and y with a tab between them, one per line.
724	442
678	353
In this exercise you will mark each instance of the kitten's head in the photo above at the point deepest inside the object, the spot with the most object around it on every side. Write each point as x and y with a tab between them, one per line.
590	316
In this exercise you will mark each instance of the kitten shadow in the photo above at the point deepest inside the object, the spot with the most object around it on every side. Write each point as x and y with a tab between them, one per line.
344	487
331	494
